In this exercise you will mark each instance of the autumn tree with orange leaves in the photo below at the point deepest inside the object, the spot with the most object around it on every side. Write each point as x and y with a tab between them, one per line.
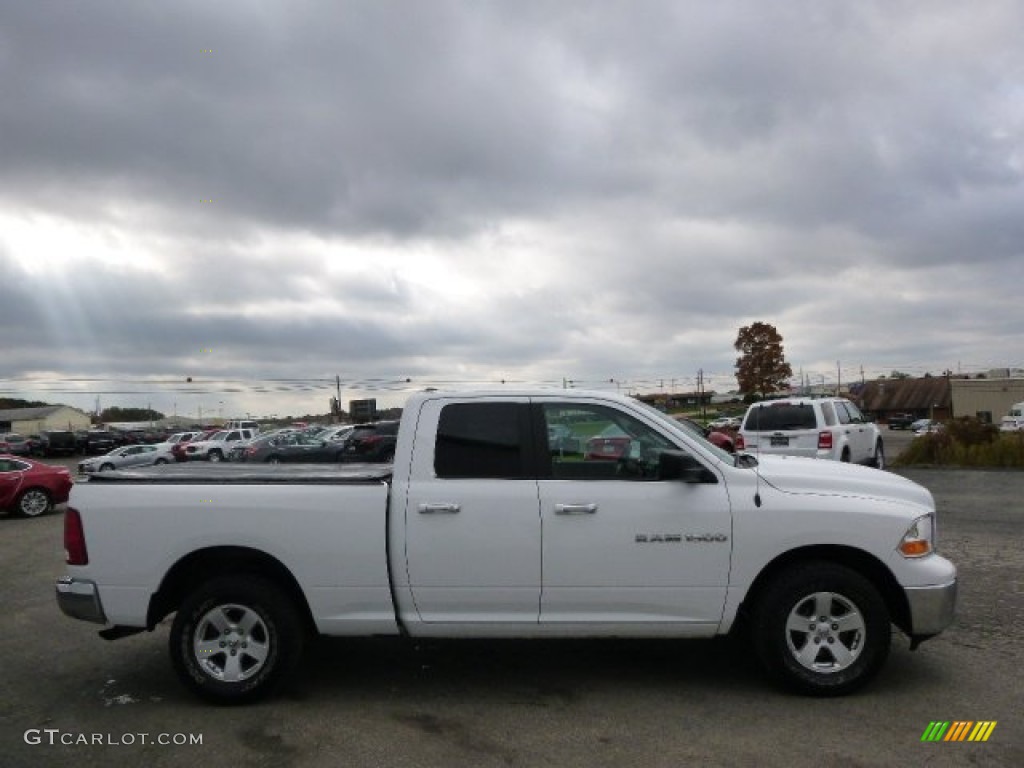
761	367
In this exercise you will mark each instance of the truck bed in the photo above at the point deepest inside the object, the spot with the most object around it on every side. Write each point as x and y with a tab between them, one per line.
199	473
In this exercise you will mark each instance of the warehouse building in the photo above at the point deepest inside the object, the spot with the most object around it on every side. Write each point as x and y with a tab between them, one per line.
32	421
986	399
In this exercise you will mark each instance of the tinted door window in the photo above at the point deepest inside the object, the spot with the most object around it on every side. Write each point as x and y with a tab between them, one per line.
481	440
593	442
855	415
843	414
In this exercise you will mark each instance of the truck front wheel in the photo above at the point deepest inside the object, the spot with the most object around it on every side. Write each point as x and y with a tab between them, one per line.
236	639
822	629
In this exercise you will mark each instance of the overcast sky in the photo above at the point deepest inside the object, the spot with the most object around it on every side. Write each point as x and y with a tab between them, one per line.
475	191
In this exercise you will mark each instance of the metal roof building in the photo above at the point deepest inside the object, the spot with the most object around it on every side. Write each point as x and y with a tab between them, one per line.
30	421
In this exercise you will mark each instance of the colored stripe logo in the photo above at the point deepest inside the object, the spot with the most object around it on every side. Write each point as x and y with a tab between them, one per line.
959	730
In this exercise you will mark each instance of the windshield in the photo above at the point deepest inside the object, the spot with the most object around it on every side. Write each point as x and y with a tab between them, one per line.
679	429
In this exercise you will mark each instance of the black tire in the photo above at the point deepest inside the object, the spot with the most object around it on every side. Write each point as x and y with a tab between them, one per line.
878	460
259	645
215	456
845	457
160	461
106	467
273	460
829	658
34	502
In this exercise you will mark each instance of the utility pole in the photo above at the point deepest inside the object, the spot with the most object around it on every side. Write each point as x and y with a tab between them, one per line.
700	393
839	376
337	382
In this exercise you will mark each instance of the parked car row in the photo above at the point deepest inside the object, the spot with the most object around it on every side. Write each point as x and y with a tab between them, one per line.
374	442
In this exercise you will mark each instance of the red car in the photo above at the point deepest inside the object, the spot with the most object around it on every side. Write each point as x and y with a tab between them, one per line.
30	488
606	448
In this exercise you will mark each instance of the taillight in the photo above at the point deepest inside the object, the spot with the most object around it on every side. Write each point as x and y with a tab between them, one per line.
75	552
824	441
739	443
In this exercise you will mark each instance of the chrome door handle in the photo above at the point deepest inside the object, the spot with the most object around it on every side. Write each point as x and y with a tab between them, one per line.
575	509
438	509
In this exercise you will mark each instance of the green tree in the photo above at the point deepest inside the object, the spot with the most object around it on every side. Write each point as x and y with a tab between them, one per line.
761	367
116	413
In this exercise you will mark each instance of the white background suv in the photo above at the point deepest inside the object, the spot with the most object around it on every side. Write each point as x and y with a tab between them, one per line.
218	446
819	428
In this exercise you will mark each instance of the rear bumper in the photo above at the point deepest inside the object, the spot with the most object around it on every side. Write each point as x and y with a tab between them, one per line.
80	599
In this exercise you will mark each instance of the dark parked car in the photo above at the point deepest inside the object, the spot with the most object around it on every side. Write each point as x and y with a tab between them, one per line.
98	441
372	442
900	420
57	442
293	448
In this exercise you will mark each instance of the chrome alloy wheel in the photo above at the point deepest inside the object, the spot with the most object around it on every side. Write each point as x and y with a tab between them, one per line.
825	632
33	503
231	643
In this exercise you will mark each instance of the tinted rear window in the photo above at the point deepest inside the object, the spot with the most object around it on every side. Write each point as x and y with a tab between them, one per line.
776	417
476	440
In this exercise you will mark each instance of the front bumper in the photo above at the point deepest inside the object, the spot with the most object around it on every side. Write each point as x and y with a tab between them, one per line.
931	609
80	599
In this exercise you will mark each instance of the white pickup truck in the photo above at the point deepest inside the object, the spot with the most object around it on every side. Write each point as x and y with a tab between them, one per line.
483	527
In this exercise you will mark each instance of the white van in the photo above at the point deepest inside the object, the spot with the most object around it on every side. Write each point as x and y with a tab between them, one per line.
1014	420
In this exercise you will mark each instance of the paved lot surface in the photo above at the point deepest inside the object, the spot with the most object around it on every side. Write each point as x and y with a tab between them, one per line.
391	703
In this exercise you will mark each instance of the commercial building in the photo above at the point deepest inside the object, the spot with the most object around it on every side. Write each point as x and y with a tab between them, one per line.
32	421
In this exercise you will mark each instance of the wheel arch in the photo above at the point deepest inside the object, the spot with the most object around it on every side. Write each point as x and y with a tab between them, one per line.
864	563
201	566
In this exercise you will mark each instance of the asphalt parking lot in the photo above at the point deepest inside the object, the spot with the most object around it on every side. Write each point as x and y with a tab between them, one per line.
569	703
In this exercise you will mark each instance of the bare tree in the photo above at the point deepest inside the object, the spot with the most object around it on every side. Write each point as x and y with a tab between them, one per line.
761	367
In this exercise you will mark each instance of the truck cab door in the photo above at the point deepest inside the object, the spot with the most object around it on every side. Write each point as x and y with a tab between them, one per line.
472	516
621	546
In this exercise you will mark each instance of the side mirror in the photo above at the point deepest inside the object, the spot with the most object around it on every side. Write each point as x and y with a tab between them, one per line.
679	465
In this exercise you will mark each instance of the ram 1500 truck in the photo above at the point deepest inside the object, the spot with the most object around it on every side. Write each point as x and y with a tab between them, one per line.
487	526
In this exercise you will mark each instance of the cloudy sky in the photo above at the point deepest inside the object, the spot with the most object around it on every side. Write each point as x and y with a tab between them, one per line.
264	196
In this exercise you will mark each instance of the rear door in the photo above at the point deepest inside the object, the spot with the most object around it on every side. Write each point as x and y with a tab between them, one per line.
134	456
472	516
11	473
859	433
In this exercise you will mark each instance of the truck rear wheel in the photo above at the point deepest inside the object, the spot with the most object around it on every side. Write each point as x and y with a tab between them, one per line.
236	639
822	629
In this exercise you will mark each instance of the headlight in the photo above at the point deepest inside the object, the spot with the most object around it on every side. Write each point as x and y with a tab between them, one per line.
919	540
